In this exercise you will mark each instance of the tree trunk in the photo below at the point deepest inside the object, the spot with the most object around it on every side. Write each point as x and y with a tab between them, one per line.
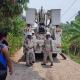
75	51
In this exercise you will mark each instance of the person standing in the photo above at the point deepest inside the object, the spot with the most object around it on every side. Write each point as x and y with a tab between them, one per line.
26	31
58	33
48	49
5	60
29	46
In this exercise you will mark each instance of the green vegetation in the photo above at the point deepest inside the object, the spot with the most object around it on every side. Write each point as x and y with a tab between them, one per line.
75	58
15	43
15	36
9	9
71	38
11	21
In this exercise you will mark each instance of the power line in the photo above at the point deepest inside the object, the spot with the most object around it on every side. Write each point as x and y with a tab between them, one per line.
72	16
69	7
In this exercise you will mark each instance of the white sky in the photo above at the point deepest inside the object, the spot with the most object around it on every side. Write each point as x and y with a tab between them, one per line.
58	4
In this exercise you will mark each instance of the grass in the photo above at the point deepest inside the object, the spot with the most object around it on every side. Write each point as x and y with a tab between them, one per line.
75	58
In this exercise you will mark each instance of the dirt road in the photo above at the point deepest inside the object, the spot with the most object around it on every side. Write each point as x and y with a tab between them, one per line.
62	70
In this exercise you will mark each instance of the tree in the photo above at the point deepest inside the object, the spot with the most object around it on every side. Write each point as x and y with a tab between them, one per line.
71	35
10	9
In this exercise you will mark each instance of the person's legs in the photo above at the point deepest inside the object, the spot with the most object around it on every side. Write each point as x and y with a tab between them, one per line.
24	51
51	58
3	76
63	56
27	58
30	58
45	55
33	57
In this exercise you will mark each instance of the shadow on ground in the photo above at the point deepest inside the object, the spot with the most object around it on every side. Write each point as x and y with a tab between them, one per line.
22	72
39	58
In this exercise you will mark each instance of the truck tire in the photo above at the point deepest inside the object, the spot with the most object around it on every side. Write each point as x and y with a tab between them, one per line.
54	55
39	56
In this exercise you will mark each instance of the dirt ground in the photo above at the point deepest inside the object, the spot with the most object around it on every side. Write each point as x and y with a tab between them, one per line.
62	70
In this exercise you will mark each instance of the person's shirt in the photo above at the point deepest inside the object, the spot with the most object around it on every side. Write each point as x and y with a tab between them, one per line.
58	36
2	66
28	43
48	43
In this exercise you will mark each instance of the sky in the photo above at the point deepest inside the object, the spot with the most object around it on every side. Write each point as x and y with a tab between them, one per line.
69	8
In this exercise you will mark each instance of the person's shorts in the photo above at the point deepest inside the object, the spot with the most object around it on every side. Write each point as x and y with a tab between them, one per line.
3	74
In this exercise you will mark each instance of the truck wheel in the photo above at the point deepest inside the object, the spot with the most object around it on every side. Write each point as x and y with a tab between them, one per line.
39	56
54	55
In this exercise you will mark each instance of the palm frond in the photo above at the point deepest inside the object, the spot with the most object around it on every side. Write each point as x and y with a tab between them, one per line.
74	37
76	25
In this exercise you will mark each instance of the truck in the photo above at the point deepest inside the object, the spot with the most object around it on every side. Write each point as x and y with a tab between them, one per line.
45	21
